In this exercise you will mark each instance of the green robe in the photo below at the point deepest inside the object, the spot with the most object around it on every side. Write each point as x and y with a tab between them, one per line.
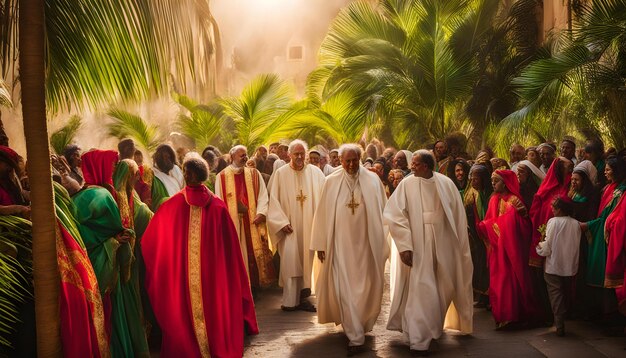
99	218
596	259
159	194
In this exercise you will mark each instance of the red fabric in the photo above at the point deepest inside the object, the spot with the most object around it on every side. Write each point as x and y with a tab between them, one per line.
227	300
98	166
5	197
80	303
508	236
541	209
615	235
607	196
10	155
510	181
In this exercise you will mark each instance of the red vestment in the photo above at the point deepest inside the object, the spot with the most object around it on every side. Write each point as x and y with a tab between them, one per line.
196	278
541	209
615	235
508	237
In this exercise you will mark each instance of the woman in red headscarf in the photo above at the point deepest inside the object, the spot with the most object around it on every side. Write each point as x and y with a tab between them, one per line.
507	229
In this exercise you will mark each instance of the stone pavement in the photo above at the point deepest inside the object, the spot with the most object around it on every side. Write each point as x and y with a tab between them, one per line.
297	334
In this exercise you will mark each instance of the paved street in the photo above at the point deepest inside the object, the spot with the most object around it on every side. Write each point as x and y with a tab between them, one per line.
297	334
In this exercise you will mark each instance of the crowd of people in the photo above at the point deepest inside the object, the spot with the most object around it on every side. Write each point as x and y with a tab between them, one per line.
177	250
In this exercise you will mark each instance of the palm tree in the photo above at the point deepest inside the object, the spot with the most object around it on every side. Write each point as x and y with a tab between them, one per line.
256	110
65	135
94	53
205	124
129	125
46	277
415	59
580	81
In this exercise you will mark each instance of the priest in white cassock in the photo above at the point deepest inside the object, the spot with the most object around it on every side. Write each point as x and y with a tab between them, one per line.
244	192
350	240
294	194
431	281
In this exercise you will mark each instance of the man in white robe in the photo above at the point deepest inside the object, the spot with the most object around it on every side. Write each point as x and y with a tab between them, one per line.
244	192
432	276
294	193
350	241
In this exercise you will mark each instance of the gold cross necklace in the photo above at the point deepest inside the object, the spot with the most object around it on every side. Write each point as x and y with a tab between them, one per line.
352	205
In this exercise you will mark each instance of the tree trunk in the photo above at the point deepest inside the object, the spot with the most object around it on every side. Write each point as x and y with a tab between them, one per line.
45	270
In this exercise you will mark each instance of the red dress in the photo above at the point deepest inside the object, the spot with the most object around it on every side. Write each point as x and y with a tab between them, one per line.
196	278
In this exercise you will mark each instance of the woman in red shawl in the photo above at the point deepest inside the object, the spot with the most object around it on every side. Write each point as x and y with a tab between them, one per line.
507	229
615	235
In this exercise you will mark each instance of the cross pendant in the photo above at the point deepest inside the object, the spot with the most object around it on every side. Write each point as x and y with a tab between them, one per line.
352	204
301	198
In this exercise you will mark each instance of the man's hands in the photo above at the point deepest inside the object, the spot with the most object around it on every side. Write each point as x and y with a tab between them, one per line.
321	255
259	219
407	258
287	229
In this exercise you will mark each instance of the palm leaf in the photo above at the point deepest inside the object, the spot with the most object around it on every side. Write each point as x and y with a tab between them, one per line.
107	51
202	123
5	96
65	136
128	125
260	103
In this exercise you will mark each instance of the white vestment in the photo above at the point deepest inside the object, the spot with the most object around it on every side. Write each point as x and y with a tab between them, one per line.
329	169
427	217
261	204
355	245
173	181
293	199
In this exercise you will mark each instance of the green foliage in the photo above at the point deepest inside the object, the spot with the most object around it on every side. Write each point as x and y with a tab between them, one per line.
257	110
128	125
579	83
106	51
65	136
15	272
203	123
414	60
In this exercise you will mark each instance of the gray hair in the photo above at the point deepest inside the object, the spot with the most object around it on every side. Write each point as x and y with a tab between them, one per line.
295	142
427	157
350	147
236	148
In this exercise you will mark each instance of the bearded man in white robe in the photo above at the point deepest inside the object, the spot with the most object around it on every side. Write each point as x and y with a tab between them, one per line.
294	194
431	279
350	241
244	192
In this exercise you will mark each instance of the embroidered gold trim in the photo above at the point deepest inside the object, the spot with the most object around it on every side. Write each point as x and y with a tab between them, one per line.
195	280
610	282
496	229
67	261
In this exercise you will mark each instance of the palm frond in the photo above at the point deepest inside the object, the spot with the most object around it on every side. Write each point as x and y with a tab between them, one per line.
128	125
203	124
263	100
5	96
65	136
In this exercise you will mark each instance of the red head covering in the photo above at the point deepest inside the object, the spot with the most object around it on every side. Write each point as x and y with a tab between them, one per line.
7	154
98	167
510	181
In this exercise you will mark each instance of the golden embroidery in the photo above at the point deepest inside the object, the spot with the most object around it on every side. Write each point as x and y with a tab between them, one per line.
195	280
496	229
67	262
613	282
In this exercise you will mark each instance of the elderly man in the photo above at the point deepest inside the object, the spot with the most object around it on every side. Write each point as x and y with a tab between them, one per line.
283	154
350	241
244	192
294	194
433	275
195	275
546	154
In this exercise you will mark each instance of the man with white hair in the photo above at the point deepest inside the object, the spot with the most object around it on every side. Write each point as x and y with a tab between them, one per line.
350	241
244	192
294	194
433	277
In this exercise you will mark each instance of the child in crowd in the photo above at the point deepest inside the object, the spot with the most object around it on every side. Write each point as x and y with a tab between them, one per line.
561	249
